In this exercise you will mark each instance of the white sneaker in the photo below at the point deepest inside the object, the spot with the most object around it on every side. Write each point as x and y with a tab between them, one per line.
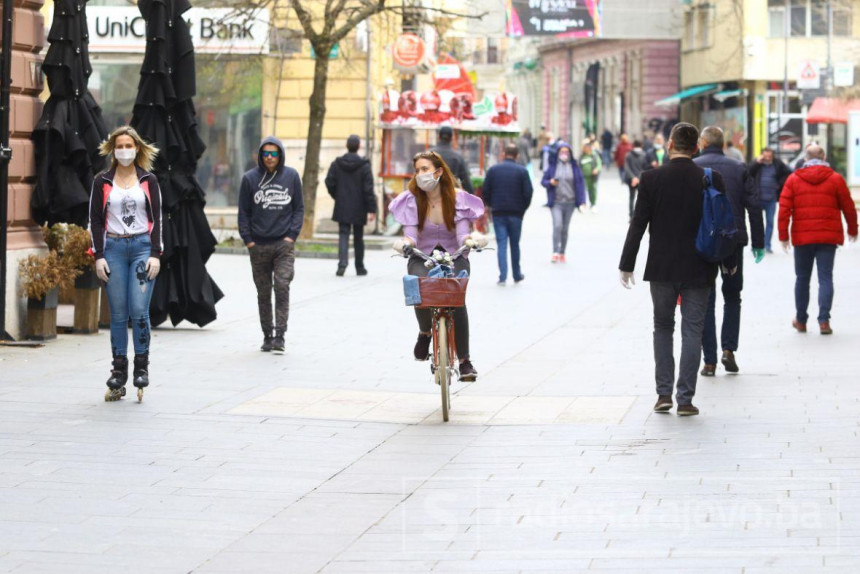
593	209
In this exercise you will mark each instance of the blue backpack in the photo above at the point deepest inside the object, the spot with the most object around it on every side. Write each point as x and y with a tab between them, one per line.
717	236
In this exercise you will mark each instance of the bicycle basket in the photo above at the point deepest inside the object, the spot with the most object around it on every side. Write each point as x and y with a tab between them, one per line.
442	292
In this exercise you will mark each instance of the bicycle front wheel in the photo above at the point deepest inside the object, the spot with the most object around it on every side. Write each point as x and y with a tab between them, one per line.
443	372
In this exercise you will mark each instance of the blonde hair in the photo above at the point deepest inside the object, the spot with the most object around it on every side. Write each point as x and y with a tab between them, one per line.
146	152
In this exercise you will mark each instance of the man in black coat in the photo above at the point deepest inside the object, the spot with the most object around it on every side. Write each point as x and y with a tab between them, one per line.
508	192
456	162
769	173
743	195
670	207
350	184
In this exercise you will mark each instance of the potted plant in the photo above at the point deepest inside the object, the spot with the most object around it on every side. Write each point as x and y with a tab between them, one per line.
41	276
76	253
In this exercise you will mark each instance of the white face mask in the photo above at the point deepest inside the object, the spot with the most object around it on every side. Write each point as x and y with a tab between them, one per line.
125	156
426	181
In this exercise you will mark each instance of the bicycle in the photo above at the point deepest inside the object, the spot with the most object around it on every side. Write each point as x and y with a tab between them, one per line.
442	295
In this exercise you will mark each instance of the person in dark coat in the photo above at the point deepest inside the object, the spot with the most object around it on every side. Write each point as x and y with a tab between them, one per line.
670	208
455	160
743	196
350	185
769	173
508	192
606	141
565	190
635	162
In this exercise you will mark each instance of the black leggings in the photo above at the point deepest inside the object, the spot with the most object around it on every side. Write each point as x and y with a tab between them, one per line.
461	316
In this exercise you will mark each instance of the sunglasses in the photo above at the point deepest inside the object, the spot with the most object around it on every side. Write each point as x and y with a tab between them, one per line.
270	154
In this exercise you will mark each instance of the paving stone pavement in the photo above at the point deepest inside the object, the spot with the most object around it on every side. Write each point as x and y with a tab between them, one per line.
333	458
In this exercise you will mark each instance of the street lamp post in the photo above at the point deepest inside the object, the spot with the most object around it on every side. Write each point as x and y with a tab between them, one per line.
5	152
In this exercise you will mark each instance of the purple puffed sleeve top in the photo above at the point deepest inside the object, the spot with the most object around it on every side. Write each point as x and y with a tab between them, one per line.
468	208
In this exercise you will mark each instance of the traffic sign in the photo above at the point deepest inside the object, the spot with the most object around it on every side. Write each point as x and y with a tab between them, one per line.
809	77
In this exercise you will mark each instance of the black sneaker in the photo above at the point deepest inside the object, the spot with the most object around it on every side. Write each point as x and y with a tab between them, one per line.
340	271
278	343
422	347
266	347
361	271
468	374
729	362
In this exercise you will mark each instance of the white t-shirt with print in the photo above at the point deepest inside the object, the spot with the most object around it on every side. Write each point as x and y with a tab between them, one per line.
126	211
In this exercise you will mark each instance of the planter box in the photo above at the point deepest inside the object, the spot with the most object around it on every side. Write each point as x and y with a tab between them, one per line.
42	316
87	280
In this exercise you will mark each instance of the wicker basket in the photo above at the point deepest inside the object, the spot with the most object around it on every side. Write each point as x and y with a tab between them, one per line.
442	292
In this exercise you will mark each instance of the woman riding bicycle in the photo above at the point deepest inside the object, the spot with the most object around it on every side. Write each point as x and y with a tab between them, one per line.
436	215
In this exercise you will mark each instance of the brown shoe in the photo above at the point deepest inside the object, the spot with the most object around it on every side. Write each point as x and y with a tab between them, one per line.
664	404
825	328
801	327
687	410
708	370
729	362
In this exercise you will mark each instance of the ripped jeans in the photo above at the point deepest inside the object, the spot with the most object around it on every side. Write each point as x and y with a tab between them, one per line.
129	292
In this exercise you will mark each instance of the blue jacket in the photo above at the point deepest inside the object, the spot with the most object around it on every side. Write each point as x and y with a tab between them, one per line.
549	174
271	206
507	189
741	191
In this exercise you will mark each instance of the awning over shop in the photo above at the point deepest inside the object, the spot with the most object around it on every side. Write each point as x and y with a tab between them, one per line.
831	110
726	94
676	99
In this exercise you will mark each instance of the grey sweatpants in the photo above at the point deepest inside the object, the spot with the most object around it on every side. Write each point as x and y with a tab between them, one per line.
273	264
694	303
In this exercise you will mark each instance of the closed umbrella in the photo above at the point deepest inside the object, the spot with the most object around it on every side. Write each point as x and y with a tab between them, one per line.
164	114
68	134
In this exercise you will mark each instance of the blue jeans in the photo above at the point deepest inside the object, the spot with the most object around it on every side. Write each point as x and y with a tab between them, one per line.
508	228
129	292
732	287
607	158
769	212
823	256
561	214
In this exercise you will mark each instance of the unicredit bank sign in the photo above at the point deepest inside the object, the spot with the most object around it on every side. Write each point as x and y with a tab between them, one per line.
120	29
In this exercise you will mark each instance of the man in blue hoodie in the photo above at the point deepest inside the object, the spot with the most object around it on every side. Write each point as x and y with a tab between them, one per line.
271	210
508	192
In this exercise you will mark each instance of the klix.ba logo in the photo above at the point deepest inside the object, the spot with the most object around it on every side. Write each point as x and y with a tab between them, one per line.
272	198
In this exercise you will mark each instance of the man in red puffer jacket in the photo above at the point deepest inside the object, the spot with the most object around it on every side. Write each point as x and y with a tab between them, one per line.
815	197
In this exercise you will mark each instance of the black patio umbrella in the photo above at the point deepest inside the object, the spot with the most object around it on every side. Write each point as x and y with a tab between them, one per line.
164	114
68	134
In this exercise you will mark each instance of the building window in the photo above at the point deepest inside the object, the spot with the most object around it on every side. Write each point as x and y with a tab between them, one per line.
698	25
809	18
492	50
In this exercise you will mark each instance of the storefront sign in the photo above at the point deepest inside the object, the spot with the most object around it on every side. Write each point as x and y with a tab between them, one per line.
333	53
809	76
843	74
570	18
853	150
121	29
408	51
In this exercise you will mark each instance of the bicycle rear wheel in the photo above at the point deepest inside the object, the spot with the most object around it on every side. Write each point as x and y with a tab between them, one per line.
443	372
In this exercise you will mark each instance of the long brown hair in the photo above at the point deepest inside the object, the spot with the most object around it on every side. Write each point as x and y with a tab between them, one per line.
447	188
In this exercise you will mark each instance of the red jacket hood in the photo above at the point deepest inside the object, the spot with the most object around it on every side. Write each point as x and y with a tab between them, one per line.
814	174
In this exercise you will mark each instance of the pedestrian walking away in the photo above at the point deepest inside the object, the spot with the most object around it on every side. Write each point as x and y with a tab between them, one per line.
454	159
635	163
813	203
350	185
606	141
621	150
743	196
126	232
271	210
669	206
590	164
769	174
507	192
436	215
565	188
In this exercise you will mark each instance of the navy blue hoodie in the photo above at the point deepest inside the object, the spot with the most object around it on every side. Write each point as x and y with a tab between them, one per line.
271	206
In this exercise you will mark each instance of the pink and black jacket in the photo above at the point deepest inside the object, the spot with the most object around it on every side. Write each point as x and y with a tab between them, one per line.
102	186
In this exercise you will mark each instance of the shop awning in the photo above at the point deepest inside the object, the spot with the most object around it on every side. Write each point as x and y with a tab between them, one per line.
831	111
676	99
726	94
